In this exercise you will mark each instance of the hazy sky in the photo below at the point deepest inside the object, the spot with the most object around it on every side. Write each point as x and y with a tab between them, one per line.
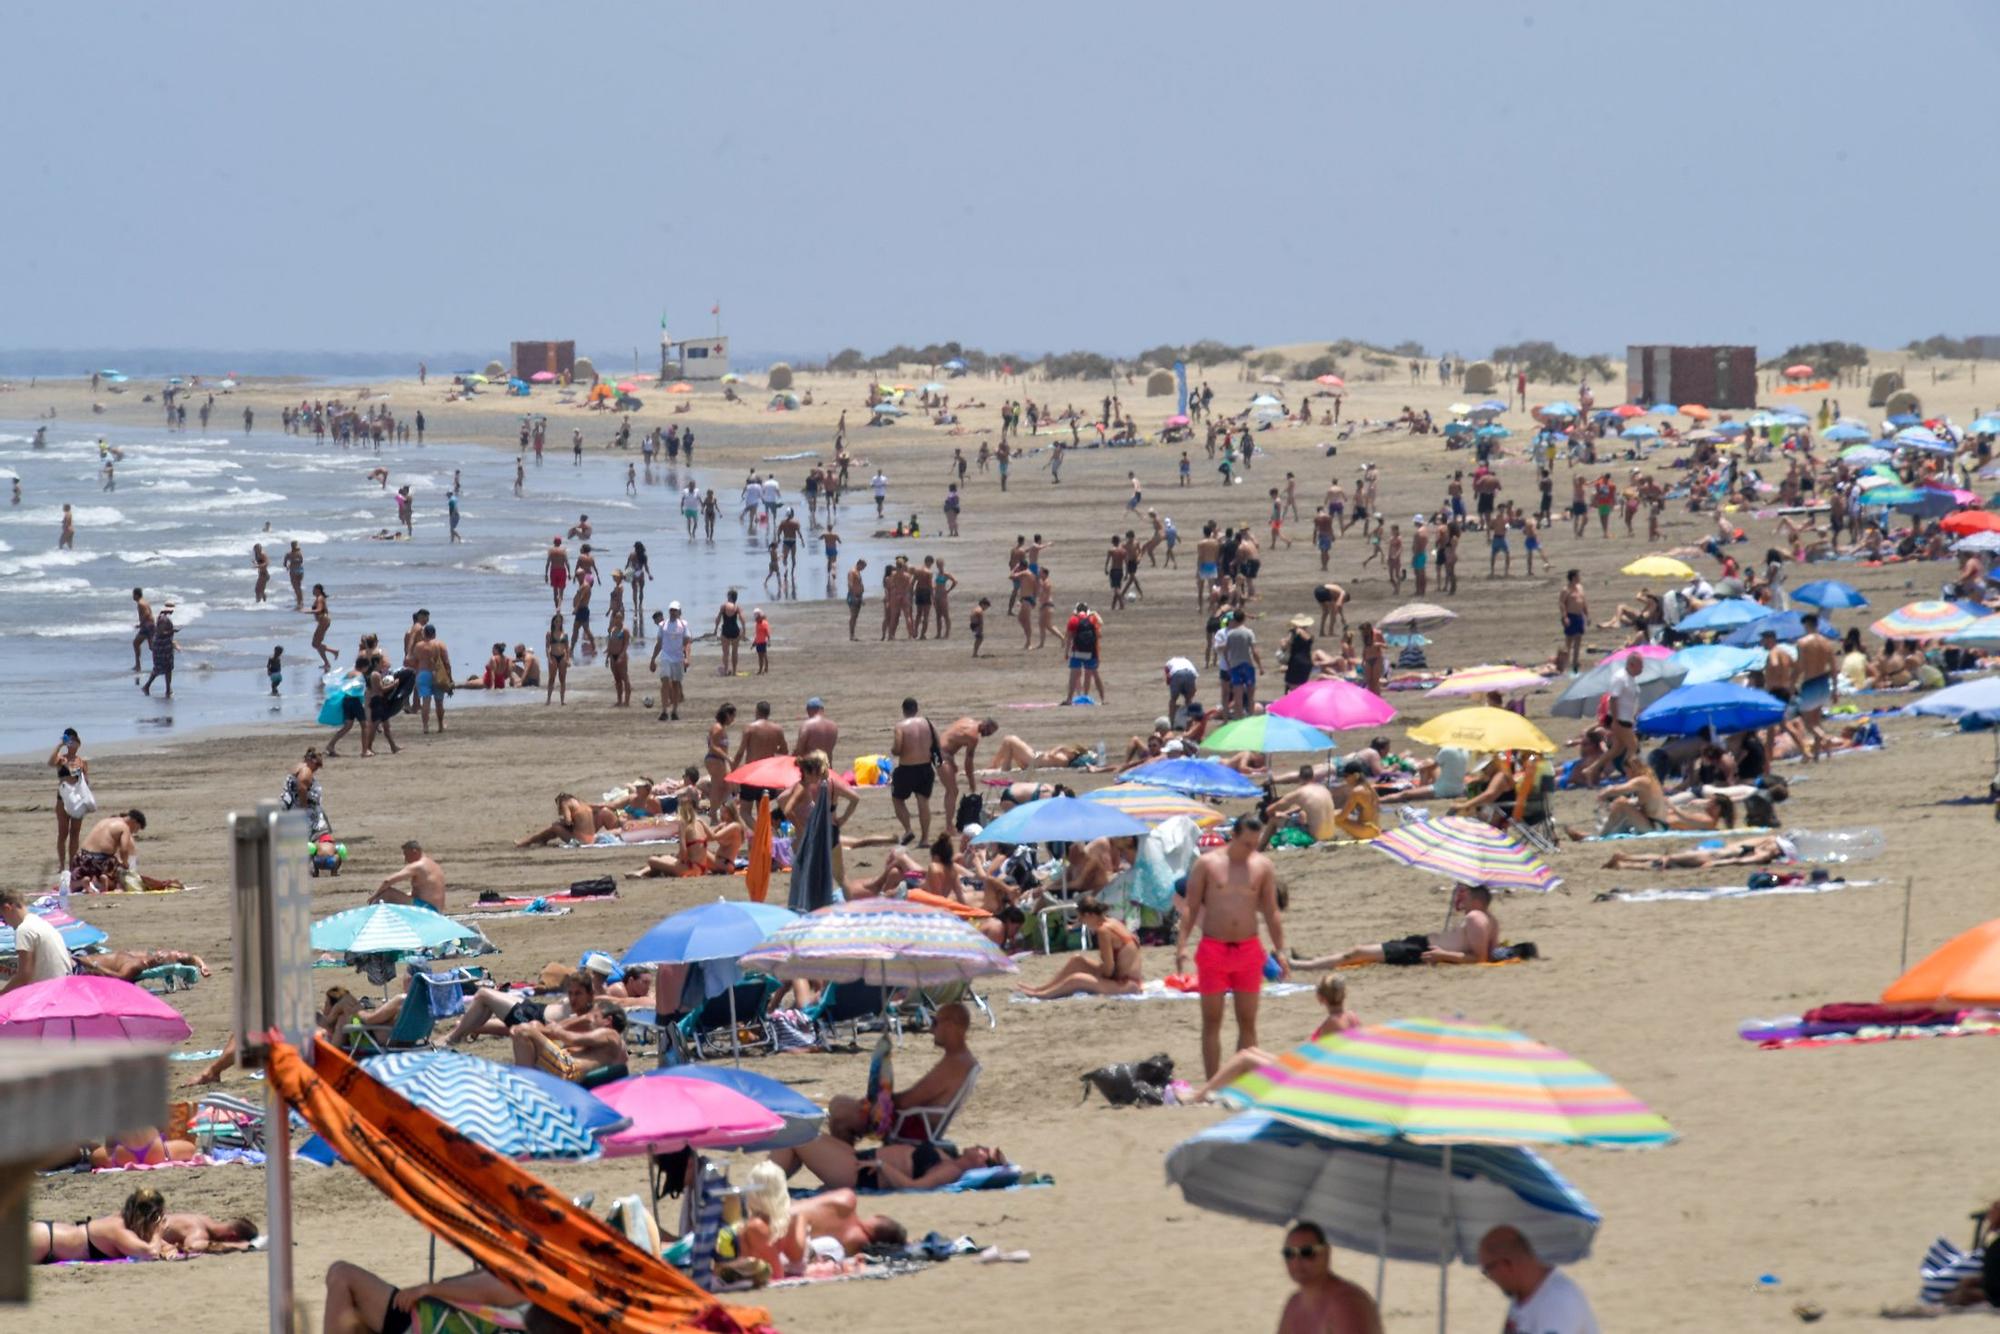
1023	176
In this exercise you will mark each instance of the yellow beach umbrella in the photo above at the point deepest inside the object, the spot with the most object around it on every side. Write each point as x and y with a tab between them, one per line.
1659	567
1483	729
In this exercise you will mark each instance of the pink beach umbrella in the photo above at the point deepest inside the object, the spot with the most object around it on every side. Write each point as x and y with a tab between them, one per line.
1333	705
79	1006
1178	419
669	1113
1642	650
543	377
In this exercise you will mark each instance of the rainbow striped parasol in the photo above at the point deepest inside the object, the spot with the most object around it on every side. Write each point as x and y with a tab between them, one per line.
886	941
1445	1082
1929	619
1155	805
1470	852
1478	680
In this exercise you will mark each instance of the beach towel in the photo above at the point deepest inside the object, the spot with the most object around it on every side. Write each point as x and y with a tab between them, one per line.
563	1259
533	908
1776	1034
142	884
1007	1177
1944	1267
812	883
1727	892
1156	990
952	906
1493	963
217	1157
524	901
1719	835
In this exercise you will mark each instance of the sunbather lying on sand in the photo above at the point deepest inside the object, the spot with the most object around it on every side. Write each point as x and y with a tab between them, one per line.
133	1233
1014	753
577	821
1750	852
127	965
1470	941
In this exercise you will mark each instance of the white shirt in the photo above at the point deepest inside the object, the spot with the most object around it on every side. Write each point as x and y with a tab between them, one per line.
673	640
771	491
39	949
1624	694
1181	665
1558	1307
880	484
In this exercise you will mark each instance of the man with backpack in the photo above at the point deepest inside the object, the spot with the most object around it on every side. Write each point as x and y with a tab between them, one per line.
1081	642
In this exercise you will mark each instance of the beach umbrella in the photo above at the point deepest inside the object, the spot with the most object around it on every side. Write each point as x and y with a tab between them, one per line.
1906	419
1847	433
1636	651
1987	425
1330	381
955	364
1492	405
1659	567
1982	633
757	870
1268	734
670	1114
1382	1198
504	1108
76	933
1663	409
1202	778
543	377
1459	409
1798	372
776	772
1332	704
1660	675
1864	454
1788	626
1482	728
1828	594
886	410
85	1006
1978	542
801	1115
1719	705
815	849
1438	1081
1928	619
1716	662
680	387
720	930
1492	431
1265	401
1417	616
627	387
1963	972
1920	437
1059	820
1695	411
386	928
1467	852
1966	522
1628	410
1479	680
886	941
1559	408
931	387
732	377
1977	699
1178	419
1154	805
1640	432
1731	430
1724	615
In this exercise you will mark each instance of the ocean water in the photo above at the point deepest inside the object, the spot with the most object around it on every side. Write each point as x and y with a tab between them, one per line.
187	508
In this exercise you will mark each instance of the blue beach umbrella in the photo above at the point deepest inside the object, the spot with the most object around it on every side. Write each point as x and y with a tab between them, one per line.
1641	432
1829	593
1559	408
1906	419
1982	633
1061	820
1988	425
1847	433
1716	662
386	928
720	930
1788	626
1204	778
513	1111
1865	454
76	933
1978	699
1719	705
801	1114
1490	405
1663	409
1493	432
886	410
1724	615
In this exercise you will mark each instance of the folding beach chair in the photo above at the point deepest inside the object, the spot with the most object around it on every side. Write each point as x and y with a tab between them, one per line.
169	977
933	1121
1537	822
431	996
858	1006
709	1031
925	1002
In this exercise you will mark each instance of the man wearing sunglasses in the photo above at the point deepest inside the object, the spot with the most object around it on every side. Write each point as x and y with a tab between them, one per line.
1325	1303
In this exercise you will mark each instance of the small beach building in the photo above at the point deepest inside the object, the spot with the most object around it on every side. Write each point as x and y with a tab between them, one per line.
1716	376
558	358
697	358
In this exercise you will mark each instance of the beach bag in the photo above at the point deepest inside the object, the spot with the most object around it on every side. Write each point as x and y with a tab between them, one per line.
77	798
971	811
593	888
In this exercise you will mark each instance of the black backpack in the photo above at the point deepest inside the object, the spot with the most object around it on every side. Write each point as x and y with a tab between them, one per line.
1084	641
971	811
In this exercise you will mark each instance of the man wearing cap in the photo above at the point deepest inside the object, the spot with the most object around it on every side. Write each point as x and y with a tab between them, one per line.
817	732
670	658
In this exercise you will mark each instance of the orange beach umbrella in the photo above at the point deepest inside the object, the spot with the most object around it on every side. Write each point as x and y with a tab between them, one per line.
1965	970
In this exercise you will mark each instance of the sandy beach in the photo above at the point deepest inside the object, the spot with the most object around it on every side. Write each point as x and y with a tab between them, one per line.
1830	1169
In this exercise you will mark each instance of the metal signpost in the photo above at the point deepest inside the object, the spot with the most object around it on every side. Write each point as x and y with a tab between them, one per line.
271	909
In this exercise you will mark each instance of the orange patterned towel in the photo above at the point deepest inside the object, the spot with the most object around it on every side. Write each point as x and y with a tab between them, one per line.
561	1258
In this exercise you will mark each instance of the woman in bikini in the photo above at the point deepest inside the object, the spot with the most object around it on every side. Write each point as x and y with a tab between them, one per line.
263	563
617	642
133	1234
321	621
835	1160
941	586
705	849
1116	971
716	758
555	648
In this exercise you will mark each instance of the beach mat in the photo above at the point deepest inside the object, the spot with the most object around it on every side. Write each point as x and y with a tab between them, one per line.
1726	892
1009	1177
1156	990
1771	1042
1720	835
1378	963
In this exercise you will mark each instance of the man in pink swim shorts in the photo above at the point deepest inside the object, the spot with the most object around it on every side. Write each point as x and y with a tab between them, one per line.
1227	891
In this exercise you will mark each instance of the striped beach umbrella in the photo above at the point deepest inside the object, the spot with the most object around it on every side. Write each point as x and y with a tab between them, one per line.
76	933
1470	852
386	928
886	941
1441	1081
1479	680
1334	705
1418	616
1929	619
1272	733
500	1107
1154	805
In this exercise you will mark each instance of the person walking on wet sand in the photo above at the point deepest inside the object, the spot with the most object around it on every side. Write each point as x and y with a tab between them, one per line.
145	633
555	653
728	629
855	588
322	620
163	651
295	569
